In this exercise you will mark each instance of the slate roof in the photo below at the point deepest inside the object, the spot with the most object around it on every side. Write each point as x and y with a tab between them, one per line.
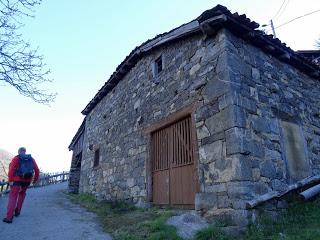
209	22
312	55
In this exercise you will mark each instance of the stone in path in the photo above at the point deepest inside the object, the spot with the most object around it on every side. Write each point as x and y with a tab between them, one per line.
48	215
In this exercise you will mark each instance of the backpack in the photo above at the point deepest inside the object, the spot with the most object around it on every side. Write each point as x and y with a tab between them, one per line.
26	166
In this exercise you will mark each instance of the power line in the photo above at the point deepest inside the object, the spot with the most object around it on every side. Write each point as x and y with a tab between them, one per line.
279	9
307	14
279	12
284	8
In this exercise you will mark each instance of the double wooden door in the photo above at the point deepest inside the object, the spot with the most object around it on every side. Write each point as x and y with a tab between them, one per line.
173	165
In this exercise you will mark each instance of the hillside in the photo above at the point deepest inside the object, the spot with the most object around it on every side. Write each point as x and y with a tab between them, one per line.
5	158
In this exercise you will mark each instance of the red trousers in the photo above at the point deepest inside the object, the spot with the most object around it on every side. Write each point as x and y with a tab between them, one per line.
16	198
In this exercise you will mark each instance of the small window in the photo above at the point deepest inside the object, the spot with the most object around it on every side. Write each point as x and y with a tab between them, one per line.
96	157
157	66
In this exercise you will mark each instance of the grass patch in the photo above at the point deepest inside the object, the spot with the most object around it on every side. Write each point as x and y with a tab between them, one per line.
125	222
300	222
211	233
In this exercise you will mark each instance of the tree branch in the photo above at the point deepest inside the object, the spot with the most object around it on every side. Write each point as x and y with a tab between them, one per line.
21	66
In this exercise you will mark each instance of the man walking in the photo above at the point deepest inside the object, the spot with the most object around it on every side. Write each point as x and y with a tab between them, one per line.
23	168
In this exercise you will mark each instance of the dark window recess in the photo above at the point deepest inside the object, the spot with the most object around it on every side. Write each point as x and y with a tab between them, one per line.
158	66
96	158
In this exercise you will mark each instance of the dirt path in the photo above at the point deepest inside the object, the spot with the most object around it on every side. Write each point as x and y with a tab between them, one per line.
48	214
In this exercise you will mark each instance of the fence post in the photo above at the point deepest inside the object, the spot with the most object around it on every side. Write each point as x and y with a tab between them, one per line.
2	185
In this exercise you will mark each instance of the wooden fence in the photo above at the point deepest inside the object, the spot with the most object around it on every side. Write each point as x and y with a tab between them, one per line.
44	180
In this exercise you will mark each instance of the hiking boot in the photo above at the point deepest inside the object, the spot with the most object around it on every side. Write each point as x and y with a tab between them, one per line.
16	214
7	220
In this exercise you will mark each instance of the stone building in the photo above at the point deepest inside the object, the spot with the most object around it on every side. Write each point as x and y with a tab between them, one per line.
211	115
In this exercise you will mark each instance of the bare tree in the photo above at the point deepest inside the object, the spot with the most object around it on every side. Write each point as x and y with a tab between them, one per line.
3	170
21	66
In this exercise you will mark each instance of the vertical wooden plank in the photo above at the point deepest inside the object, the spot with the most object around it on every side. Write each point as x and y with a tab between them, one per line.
164	149
189	141
152	153
159	156
157	145
163	155
182	143
185	153
161	150
176	150
179	144
168	147
155	151
170	136
173	146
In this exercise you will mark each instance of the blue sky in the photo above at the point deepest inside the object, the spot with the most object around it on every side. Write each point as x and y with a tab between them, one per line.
84	41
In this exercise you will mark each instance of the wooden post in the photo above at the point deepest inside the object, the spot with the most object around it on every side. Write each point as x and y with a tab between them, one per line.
272	27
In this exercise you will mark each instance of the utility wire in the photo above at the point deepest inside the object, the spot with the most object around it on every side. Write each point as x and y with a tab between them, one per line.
284	8
307	14
279	12
279	9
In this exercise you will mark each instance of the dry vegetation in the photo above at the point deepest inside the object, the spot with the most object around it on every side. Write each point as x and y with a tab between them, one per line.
5	158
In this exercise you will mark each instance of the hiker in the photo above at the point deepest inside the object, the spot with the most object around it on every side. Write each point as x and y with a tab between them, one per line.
23	168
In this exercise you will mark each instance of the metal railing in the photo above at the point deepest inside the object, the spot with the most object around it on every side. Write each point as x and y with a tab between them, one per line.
4	187
44	180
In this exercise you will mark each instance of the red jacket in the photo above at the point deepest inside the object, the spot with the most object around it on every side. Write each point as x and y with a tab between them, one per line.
14	165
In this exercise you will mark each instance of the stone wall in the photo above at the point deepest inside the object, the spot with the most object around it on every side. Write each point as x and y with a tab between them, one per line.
278	139
194	72
74	175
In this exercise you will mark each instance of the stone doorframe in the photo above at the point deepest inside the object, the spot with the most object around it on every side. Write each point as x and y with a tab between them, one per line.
170	119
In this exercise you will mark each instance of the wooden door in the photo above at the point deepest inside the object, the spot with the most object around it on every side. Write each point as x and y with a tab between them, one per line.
174	180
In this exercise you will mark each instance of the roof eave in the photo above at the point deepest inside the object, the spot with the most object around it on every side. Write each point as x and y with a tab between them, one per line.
77	135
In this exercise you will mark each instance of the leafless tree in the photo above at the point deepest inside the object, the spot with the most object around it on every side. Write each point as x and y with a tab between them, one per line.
4	169
21	66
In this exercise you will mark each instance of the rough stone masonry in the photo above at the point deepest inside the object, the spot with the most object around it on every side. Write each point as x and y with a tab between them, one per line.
257	119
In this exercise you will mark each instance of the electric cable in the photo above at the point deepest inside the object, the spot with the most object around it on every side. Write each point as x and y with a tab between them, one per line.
307	14
279	10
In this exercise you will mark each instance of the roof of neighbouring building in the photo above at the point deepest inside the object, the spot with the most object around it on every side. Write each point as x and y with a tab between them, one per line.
209	22
312	55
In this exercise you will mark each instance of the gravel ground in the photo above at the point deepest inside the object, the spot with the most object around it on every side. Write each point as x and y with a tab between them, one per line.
48	214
